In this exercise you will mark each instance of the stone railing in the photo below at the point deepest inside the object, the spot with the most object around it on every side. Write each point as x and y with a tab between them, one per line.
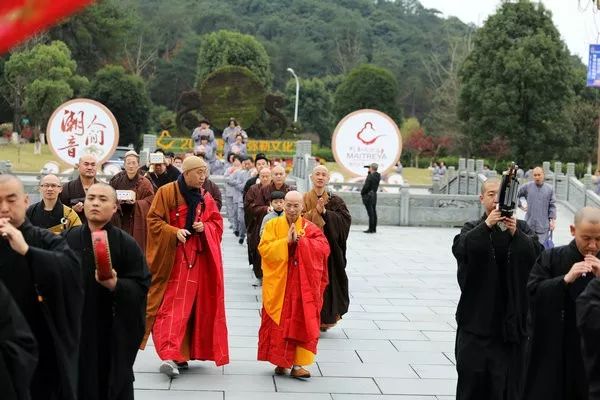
400	207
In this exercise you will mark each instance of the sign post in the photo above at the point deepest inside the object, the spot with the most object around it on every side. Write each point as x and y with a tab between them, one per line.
593	80
365	137
82	126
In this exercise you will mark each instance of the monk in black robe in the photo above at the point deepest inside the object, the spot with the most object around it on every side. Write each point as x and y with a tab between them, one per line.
73	193
557	279
44	278
114	313
494	256
588	322
330	214
18	350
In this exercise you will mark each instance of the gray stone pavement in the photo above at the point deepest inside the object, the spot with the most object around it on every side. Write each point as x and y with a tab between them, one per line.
396	342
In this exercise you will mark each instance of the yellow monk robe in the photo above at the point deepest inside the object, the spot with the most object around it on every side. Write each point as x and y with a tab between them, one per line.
294	278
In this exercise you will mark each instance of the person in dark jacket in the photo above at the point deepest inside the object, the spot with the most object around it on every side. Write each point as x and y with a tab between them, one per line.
43	275
18	350
494	256
369	196
557	279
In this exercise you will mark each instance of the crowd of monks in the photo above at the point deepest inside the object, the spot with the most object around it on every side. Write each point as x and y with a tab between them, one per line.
528	319
95	271
73	333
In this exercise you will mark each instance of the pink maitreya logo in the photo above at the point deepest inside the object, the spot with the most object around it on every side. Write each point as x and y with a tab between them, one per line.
368	135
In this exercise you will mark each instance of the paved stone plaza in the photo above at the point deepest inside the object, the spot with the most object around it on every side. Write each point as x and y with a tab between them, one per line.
396	343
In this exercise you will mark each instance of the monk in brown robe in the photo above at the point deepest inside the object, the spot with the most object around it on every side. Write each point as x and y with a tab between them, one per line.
73	193
257	204
131	213
330	214
294	254
186	301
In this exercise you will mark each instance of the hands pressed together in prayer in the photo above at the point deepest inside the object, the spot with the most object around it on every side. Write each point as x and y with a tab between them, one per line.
111	283
321	206
496	216
292	234
590	264
78	207
14	236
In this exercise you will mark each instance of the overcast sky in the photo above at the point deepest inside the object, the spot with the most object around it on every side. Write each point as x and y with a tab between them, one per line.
577	20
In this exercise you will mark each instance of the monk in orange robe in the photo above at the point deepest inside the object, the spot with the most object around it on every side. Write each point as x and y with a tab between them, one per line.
186	301
294	255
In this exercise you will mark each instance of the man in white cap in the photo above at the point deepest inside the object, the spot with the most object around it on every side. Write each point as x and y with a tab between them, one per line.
134	196
186	301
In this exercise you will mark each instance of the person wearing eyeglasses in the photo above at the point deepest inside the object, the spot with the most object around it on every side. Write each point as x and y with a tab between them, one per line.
50	213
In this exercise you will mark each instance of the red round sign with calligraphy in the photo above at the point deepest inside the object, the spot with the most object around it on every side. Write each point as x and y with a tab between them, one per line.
80	127
365	137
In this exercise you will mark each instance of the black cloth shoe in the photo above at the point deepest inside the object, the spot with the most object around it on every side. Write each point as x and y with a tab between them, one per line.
368	231
236	233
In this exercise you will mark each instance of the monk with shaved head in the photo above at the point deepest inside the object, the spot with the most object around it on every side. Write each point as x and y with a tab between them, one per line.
115	308
558	278
294	255
50	213
73	193
257	204
43	276
330	214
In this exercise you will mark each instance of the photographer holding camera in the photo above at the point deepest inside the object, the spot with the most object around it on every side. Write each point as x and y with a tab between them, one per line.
494	254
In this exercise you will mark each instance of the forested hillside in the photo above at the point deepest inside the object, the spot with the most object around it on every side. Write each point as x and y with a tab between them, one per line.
159	40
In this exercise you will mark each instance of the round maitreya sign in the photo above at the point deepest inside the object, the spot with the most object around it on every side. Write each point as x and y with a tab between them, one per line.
365	137
82	126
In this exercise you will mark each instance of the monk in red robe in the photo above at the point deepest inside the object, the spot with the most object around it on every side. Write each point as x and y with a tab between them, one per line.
294	255
132	211
186	303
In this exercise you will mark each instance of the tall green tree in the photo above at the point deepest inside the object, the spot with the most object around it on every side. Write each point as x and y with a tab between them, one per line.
315	107
224	48
127	98
96	34
39	79
517	83
368	86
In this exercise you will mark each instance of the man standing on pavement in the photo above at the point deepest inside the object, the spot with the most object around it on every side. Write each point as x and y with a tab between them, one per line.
50	213
255	210
43	276
73	193
114	312
537	199
494	256
294	253
186	301
237	180
330	214
369	196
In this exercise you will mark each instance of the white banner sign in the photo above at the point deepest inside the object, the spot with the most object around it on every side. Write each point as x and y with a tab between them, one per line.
365	137
82	126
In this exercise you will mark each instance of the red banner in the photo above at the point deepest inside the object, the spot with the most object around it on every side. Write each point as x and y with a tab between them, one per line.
20	19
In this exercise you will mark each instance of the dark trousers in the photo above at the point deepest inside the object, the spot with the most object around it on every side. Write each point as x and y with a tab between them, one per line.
488	368
370	202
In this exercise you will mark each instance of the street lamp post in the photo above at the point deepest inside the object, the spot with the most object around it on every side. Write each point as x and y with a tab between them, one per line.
291	71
